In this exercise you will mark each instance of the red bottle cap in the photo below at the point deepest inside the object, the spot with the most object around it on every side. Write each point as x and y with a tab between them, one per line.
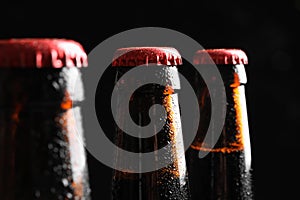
220	56
41	52
135	56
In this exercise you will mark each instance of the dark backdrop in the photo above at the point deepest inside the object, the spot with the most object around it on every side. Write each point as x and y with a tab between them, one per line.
267	32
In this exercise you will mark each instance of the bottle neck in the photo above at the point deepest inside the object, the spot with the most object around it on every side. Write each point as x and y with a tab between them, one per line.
235	133
38	89
232	75
170	173
226	167
151	105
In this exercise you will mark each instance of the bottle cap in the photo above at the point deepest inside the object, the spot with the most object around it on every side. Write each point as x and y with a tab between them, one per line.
135	56
41	53
220	56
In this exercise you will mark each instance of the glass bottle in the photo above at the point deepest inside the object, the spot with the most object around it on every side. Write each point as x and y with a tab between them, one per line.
41	141
169	181
225	172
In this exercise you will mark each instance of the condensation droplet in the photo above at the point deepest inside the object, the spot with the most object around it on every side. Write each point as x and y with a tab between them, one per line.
61	121
50	146
61	154
65	182
52	190
60	81
69	195
37	193
55	85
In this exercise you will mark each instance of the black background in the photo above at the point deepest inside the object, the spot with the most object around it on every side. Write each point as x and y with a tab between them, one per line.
267	32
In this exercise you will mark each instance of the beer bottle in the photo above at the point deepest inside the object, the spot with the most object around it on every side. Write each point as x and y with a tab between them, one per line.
169	181
225	172
41	140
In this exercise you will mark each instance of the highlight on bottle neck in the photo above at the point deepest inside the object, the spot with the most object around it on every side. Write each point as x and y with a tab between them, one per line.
230	63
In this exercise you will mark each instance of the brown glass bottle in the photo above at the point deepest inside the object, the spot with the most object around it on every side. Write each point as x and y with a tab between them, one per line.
41	151
170	181
225	172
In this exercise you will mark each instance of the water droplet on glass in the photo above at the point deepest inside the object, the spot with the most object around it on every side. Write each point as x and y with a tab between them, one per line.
61	81
61	154
55	150
52	190
50	146
55	85
61	121
69	195
37	193
65	182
